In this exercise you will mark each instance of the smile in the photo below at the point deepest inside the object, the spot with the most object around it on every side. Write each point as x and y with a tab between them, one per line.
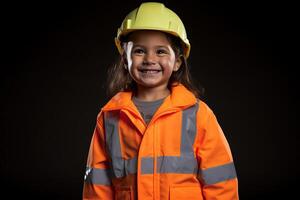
150	71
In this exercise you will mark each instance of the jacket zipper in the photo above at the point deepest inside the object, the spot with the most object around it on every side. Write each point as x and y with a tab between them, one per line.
156	142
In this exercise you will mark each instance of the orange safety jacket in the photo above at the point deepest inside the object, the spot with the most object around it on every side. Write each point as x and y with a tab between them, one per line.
181	154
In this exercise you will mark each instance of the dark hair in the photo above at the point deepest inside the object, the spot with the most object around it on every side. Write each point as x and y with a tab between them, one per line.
119	79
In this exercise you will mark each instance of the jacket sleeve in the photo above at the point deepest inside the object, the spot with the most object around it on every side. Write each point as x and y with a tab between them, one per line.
216	168
97	179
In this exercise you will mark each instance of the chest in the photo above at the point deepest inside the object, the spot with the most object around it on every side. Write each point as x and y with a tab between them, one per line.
171	134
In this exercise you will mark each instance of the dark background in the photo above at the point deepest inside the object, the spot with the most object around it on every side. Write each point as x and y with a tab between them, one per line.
54	60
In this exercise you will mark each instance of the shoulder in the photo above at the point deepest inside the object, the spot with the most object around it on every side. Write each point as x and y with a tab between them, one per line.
204	113
121	99
100	118
204	107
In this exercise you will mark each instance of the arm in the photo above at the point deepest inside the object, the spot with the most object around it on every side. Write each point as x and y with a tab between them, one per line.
216	168
97	180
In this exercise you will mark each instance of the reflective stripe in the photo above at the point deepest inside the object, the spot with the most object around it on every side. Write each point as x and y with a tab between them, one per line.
217	174
188	129
97	176
180	165
130	166
113	143
147	165
170	164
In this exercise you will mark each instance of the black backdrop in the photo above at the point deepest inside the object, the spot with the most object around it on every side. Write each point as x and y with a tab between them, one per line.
55	56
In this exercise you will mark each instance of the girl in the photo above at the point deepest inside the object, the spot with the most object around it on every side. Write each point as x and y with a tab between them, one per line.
155	139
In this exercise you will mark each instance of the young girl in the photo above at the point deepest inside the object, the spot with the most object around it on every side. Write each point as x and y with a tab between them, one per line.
155	139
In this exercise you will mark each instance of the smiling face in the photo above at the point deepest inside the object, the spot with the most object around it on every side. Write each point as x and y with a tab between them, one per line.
150	59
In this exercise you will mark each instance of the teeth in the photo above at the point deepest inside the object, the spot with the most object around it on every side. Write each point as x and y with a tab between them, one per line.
150	71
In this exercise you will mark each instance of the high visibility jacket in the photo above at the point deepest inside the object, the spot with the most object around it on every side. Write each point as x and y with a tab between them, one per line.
181	154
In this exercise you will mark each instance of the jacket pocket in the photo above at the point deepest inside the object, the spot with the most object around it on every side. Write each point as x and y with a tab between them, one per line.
189	192
123	193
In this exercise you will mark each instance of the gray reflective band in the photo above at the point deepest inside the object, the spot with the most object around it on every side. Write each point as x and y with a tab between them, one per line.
111	124
179	165
130	166
147	164
188	129
97	176
217	174
170	164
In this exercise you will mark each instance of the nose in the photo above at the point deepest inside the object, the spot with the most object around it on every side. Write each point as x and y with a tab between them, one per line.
150	58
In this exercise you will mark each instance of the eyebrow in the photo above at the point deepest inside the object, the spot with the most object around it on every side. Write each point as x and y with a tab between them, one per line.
142	46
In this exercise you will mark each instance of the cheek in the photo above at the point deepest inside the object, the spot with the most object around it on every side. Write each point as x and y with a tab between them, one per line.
168	64
171	60
135	61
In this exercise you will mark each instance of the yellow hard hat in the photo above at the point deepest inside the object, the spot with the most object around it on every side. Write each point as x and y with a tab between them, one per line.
153	16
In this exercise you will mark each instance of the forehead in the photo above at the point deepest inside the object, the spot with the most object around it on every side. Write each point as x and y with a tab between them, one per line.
149	37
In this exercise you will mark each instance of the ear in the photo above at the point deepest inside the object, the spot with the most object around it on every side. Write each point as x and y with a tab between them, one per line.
178	63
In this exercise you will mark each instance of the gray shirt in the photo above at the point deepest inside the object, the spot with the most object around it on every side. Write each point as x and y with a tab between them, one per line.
147	108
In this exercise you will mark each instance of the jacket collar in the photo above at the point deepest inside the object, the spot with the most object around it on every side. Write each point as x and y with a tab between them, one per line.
180	97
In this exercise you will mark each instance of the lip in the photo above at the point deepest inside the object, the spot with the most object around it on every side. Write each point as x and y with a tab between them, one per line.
145	70
149	71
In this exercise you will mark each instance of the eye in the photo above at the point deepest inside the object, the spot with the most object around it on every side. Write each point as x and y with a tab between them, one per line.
138	51
161	51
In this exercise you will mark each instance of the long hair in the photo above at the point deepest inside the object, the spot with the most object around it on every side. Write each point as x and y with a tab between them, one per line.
119	79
